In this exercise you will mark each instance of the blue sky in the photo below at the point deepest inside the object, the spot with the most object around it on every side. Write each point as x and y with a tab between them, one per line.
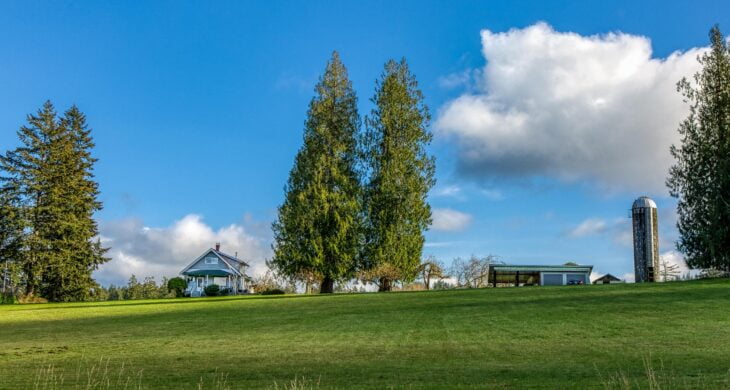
197	110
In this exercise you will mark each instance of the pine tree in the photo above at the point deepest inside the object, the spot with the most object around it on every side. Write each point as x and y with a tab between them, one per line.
79	250
29	172
318	227
700	179
11	238
401	174
52	174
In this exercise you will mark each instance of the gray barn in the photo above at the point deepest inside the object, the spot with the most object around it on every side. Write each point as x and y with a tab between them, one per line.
539	275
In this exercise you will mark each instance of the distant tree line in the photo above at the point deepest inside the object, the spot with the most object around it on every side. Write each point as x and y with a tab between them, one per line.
355	203
49	243
148	288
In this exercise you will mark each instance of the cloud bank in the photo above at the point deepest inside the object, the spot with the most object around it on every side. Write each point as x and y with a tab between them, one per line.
149	251
547	103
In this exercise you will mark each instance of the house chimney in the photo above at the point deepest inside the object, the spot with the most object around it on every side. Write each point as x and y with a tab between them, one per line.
217	246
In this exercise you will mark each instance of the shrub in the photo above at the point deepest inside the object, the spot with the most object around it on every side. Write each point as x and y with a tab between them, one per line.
212	290
31	299
178	285
7	299
273	291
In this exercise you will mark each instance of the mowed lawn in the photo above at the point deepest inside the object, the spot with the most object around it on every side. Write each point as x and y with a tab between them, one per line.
546	337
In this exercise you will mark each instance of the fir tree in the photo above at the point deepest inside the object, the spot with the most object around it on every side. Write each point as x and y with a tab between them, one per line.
52	174
11	238
318	228
30	172
79	251
401	174
700	179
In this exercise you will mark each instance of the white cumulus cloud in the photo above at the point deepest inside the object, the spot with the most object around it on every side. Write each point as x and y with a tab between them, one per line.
557	104
450	220
591	226
153	251
619	229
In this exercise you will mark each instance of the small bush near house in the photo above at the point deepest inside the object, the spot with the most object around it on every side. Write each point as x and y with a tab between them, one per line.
7	299
273	291
178	285
213	290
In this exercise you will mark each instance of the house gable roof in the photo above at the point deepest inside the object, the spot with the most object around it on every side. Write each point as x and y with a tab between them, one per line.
228	260
229	257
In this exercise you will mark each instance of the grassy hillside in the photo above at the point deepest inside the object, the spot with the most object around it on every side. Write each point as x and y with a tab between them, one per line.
549	337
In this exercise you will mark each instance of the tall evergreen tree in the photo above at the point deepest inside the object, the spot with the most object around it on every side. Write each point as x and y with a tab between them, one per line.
11	238
52	174
318	228
401	174
700	179
78	248
28	172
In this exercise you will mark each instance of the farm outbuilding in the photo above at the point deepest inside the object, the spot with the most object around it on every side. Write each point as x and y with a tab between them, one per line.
607	279
539	275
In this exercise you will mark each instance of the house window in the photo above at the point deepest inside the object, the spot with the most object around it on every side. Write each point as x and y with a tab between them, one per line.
211	260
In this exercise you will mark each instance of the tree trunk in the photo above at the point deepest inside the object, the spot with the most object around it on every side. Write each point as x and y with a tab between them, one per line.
29	289
328	286
30	279
385	285
307	287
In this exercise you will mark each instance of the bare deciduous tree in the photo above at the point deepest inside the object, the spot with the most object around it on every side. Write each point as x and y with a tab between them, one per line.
472	273
431	269
668	271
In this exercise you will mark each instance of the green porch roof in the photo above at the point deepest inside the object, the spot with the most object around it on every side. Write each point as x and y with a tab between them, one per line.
206	272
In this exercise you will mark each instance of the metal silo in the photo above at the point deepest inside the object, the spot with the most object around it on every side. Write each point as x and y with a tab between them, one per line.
646	240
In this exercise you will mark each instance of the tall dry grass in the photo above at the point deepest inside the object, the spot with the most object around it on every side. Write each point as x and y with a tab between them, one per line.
104	375
88	376
656	377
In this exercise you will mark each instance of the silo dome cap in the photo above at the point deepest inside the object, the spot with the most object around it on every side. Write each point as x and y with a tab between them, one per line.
644	202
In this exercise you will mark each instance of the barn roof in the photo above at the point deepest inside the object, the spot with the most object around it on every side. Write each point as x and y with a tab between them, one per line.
539	268
609	277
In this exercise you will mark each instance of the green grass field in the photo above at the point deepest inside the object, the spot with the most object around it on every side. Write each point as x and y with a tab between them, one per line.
546	337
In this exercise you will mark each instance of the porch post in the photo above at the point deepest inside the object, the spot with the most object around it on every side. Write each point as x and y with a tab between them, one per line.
494	277
517	279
